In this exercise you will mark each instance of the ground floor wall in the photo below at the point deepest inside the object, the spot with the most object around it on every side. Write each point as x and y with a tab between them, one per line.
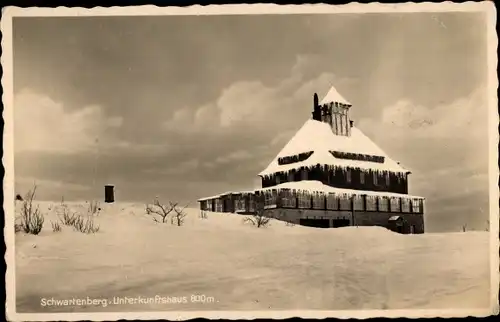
402	223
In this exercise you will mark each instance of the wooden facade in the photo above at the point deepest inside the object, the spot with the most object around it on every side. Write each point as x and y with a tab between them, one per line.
245	203
348	178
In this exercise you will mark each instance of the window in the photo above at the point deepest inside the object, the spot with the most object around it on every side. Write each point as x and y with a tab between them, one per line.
416	205
371	203
318	201
251	203
278	180
405	205
375	178
270	199
358	203
332	202
239	204
303	174
345	202
208	205
304	200
218	205
387	179
395	204
383	204
348	176
288	199
294	158
362	177
357	156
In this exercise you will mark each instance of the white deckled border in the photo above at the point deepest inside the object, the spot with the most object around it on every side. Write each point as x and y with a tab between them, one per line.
251	9
8	162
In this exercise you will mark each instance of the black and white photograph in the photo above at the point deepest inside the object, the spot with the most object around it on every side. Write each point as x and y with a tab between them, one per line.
244	161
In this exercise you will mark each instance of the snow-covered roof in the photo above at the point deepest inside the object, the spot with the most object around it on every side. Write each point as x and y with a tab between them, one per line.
318	137
334	96
225	194
318	186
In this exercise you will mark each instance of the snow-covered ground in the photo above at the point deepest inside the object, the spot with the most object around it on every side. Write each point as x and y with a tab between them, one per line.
235	266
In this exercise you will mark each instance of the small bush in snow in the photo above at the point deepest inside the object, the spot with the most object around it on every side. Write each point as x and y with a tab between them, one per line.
85	225
82	224
179	215
161	212
31	218
258	218
56	227
93	208
67	217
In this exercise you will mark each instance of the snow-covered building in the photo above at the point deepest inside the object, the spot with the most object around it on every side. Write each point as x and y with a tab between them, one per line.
330	175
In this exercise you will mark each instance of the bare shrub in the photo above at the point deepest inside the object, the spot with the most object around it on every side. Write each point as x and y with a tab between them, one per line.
93	208
80	223
31	218
56	227
259	218
66	216
160	210
179	214
464	228
85	225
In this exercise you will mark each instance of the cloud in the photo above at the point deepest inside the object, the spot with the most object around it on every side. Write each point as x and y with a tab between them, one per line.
446	147
234	156
48	189
42	124
236	134
256	109
463	118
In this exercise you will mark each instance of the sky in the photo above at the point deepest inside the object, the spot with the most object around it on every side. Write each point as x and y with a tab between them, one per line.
182	107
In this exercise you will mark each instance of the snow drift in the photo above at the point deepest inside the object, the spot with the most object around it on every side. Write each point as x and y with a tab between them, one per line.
242	267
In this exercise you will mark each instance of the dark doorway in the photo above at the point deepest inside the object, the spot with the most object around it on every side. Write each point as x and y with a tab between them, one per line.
319	223
341	223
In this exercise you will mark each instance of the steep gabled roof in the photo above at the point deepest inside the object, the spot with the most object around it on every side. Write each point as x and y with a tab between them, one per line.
334	96
318	137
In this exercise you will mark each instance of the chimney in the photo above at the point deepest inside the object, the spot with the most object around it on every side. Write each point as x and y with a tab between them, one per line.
109	193
316	108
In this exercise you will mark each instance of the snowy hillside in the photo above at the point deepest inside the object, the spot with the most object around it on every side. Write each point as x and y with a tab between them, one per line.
233	265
